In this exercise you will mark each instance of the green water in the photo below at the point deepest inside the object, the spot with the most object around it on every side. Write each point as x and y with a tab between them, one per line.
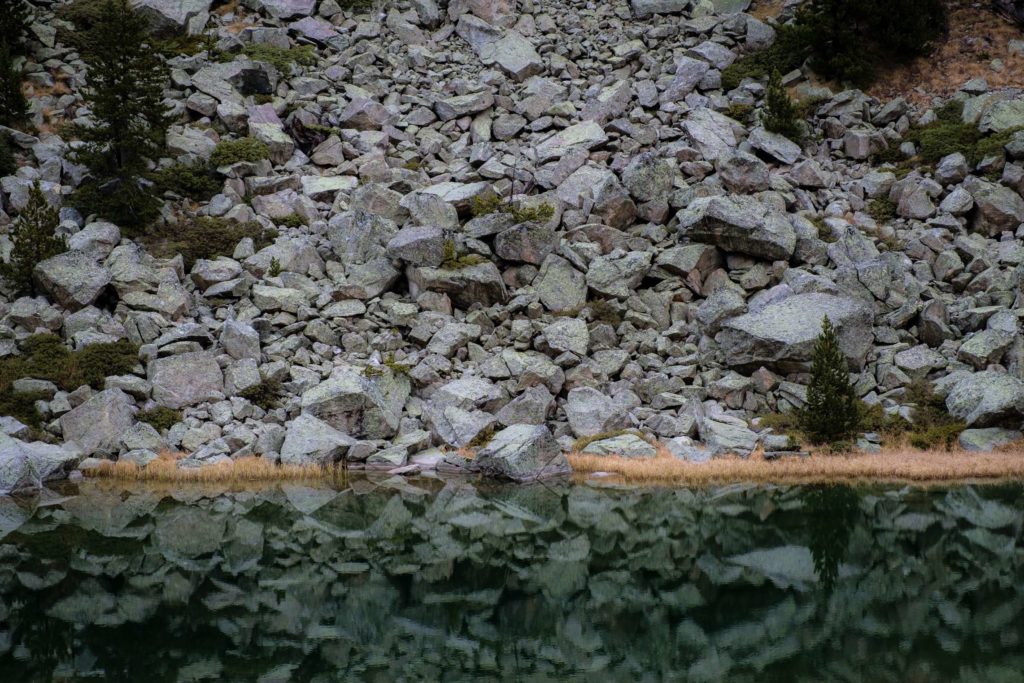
394	580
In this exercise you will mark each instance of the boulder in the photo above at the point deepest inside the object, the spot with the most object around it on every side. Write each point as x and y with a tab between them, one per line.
360	406
311	441
591	412
988	439
98	425
466	285
189	16
739	224
582	136
521	453
780	336
996	208
560	286
645	8
186	379
72	279
622	445
987	399
450	108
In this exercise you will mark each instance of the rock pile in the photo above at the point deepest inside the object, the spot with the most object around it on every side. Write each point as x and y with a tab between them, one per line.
497	216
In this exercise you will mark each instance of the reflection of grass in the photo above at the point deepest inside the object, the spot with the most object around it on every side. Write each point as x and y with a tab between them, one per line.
240	471
895	465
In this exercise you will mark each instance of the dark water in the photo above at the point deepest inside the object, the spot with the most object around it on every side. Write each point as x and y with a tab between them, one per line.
417	581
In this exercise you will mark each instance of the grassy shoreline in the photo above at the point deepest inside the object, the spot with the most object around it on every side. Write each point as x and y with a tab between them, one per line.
892	465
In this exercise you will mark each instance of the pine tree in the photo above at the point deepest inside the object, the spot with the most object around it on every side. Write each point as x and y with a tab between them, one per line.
34	239
125	78
779	111
831	413
14	20
13	105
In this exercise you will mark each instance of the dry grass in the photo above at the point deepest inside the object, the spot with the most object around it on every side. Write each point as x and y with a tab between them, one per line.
767	9
244	470
977	35
896	464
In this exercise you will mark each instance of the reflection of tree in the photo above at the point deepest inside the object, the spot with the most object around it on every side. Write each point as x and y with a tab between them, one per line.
831	512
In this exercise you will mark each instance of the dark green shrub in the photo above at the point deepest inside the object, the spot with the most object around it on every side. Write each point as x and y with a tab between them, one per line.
203	237
293	220
937	437
788	52
281	58
34	240
14	21
8	164
14	107
831	413
160	418
483	205
194	181
779	111
851	39
229	152
453	260
95	362
882	210
740	112
125	80
267	394
948	134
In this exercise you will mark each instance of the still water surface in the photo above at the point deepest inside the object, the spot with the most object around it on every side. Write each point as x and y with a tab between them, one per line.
395	580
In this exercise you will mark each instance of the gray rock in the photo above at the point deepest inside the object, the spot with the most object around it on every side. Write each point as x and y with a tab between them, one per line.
240	340
648	177
780	336
618	274
418	245
521	453
185	379
450	108
623	445
97	425
175	15
988	439
987	399
725	434
645	8
774	145
586	135
591	412
310	441
479	283
560	286
530	407
360	406
567	334
984	348
741	224
284	9
72	279
997	208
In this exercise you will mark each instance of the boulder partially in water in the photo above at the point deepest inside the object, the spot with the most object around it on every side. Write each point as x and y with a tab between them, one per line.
522	453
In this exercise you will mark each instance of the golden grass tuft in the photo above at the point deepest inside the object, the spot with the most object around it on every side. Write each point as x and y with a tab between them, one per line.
897	464
241	471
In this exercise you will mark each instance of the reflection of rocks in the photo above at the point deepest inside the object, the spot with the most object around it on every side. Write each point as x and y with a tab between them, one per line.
564	570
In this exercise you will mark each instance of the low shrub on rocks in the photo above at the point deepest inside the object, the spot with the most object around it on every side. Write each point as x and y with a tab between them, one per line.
45	357
787	53
482	206
192	180
160	418
267	394
948	134
281	58
229	152
204	237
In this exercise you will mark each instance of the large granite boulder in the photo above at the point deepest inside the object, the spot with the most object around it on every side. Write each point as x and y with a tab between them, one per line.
521	453
97	425
466	285
360	406
186	379
780	336
987	399
741	224
72	279
310	441
30	465
591	412
164	16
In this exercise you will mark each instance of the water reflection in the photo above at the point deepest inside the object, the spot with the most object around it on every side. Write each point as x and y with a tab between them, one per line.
393	580
831	514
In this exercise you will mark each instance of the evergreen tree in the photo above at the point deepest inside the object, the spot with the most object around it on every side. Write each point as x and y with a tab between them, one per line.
34	239
832	412
14	20
779	111
125	78
13	105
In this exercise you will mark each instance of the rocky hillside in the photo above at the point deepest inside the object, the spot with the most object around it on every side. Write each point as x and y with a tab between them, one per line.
543	216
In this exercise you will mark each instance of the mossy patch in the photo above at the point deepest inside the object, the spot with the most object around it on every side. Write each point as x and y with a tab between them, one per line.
484	205
267	394
229	152
160	418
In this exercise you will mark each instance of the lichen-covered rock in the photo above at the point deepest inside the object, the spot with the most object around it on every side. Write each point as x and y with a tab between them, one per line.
72	279
522	453
185	379
781	335
987	399
739	223
358	405
310	441
97	425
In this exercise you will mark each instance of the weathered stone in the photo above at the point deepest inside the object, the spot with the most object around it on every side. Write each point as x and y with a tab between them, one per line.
780	336
988	439
987	399
97	425
185	379
463	105
310	441
479	283
586	135
560	286
522	453
591	412
624	445
72	279
360	406
741	224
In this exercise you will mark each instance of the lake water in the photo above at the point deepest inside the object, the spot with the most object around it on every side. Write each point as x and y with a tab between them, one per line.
396	580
